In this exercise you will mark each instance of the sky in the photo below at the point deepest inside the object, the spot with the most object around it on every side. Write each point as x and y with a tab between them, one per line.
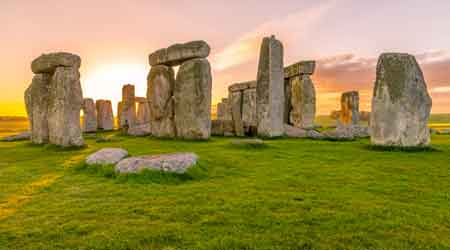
114	38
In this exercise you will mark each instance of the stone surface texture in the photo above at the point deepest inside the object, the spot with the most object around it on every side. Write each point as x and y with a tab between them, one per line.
175	163
349	115
178	53
105	116
270	89
303	102
106	156
401	104
160	86
128	111
47	63
89	115
192	100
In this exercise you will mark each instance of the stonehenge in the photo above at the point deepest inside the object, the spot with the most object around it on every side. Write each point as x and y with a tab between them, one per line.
180	106
300	101
105	117
54	100
89	115
400	104
270	89
143	111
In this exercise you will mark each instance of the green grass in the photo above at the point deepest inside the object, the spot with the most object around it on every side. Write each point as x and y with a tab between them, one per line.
290	194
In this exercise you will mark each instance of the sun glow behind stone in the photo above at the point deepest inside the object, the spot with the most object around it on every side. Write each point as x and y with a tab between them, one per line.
106	81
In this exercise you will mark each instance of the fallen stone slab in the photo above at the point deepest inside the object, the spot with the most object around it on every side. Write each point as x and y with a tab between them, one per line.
47	63
18	137
296	132
250	142
179	53
106	156
174	163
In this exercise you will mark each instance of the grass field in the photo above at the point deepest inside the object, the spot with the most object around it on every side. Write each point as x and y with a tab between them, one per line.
291	194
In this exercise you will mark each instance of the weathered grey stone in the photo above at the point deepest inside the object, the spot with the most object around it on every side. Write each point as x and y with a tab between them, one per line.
143	111
47	63
17	137
37	98
179	53
106	156
236	112
270	89
105	117
296	132
349	115
119	114
89	115
128	111
217	127
401	104
303	102
249	110
66	101
160	86
175	163
300	68
242	86
140	130
192	98
249	142
221	109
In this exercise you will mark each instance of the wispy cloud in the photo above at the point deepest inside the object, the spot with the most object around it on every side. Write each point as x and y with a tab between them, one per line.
289	29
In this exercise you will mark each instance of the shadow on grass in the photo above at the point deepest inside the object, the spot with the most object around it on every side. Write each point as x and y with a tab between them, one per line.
56	148
401	149
195	173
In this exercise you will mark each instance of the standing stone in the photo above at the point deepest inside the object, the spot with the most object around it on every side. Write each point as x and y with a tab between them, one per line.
227	111
270	89
349	115
221	109
143	111
249	109
236	112
128	115
66	101
400	104
37	101
54	100
160	85
303	102
89	115
119	114
192	97
105	117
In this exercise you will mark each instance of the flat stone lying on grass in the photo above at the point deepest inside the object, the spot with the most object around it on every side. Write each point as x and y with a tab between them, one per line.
251	142
175	163
107	156
18	137
296	132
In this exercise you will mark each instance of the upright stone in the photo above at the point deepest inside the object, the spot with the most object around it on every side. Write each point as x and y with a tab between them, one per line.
221	109
143	111
270	89
192	96
249	109
66	101
236	112
227	109
160	85
401	104
105	117
303	102
349	115
119	114
89	115
37	100
128	115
